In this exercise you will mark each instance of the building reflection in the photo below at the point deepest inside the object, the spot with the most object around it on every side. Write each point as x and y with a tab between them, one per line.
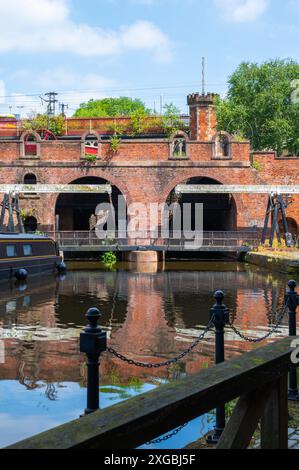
150	317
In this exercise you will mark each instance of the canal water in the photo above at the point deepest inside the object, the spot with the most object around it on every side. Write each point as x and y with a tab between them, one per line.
148	317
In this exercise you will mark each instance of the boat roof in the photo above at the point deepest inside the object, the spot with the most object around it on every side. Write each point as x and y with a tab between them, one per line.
22	236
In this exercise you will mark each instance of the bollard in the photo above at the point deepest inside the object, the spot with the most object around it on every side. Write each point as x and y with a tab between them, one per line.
93	341
221	318
292	301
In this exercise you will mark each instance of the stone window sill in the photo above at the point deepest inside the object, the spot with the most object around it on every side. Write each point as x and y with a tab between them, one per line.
178	158
29	196
30	157
220	157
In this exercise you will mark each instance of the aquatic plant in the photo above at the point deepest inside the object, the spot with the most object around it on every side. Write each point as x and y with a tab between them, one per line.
109	259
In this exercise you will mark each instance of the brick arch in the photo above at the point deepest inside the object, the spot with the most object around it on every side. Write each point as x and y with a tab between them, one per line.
237	199
73	218
28	133
74	174
191	174
92	132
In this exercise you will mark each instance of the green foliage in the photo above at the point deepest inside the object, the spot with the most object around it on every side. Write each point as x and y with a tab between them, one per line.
109	259
26	213
111	107
114	143
257	165
239	137
170	121
90	157
55	124
259	106
115	139
139	122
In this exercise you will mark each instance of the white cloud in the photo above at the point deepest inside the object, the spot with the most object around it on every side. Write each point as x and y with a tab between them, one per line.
144	35
241	11
64	78
46	26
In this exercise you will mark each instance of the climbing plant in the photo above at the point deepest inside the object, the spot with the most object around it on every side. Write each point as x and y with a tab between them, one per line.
117	130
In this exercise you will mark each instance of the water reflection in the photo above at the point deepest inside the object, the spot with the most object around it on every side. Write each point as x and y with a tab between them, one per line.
148	316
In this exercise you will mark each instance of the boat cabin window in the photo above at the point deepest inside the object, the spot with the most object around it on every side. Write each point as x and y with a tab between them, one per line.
11	250
27	249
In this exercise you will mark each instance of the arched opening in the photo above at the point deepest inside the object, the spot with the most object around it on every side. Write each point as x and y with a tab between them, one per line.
30	145
179	146
30	224
219	210
90	146
30	178
292	226
222	145
74	212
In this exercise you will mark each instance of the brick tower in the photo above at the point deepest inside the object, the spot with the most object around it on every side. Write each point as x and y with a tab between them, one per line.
202	116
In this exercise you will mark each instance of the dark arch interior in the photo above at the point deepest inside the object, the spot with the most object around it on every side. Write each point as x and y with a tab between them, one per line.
75	210
219	210
292	226
30	224
30	178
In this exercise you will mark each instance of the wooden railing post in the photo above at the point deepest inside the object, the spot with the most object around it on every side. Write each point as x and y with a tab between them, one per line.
274	423
244	420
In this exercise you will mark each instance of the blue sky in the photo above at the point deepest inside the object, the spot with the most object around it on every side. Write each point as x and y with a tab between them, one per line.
140	48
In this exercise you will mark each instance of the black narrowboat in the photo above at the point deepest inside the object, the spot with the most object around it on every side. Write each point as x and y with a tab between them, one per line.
22	255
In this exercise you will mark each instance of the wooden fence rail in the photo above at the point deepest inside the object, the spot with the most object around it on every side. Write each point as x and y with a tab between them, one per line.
259	378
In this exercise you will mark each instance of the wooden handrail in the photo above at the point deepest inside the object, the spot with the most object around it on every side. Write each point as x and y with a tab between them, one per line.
145	417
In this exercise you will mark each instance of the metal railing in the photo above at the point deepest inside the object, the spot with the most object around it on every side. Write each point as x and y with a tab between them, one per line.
147	238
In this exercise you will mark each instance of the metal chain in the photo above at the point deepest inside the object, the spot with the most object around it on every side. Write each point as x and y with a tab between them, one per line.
167	436
271	332
169	361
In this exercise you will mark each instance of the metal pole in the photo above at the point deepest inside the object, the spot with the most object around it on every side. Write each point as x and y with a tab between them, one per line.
221	317
274	224
93	341
292	303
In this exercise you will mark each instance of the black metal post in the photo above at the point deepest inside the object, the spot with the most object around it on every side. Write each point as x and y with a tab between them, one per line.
265	229
221	317
93	341
292	303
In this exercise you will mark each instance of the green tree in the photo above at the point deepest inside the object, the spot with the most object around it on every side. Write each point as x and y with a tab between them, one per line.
171	121
111	107
260	106
36	122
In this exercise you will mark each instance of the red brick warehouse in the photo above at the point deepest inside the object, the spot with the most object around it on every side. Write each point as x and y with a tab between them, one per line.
145	168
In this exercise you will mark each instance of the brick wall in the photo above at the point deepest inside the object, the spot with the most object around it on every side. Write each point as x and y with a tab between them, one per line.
143	169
